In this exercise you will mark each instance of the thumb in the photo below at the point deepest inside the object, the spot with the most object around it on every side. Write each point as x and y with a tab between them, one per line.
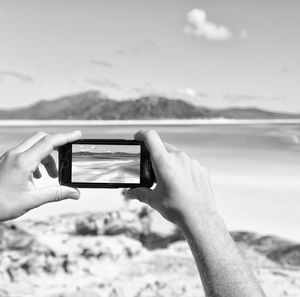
55	193
142	194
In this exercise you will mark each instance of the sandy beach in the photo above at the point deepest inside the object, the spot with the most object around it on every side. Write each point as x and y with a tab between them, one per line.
255	170
106	171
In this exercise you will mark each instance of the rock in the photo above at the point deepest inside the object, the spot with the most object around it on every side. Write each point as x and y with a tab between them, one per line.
14	238
124	253
267	244
86	226
244	237
156	241
287	256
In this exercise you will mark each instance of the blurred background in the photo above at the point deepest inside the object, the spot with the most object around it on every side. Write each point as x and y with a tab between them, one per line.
220	80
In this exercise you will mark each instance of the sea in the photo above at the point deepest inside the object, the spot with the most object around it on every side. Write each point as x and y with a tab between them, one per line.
254	167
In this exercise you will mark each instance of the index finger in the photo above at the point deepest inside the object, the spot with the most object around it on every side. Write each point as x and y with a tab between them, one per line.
27	143
42	148
153	142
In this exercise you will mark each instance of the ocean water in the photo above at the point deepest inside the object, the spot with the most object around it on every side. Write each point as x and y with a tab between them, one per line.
255	170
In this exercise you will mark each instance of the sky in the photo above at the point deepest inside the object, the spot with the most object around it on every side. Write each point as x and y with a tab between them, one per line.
212	53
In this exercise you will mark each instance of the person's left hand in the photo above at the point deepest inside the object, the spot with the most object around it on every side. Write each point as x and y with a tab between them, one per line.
18	167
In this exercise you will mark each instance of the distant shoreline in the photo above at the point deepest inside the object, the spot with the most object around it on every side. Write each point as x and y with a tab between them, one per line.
167	122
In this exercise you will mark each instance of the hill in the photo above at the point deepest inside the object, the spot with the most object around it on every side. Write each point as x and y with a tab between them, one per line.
93	105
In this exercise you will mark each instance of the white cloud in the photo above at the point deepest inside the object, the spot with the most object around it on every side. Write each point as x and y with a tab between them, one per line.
141	47
244	97
15	75
200	26
104	82
187	91
100	63
145	89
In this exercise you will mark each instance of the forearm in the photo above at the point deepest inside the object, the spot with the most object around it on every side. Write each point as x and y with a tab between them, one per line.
183	195
222	269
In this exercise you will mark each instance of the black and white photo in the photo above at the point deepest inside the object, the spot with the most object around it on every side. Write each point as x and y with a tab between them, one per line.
149	148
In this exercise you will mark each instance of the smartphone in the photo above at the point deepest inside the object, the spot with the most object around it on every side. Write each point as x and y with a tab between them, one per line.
105	163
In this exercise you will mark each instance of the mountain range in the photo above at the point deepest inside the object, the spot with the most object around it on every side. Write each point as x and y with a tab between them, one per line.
92	105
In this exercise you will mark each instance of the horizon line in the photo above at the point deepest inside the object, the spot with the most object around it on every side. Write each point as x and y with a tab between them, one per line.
160	122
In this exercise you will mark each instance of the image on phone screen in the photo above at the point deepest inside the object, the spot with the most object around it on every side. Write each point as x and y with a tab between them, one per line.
101	163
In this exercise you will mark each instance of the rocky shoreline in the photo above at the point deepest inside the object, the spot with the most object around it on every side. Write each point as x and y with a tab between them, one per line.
125	253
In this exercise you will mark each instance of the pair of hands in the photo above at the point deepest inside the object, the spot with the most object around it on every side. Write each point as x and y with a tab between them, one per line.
182	195
182	189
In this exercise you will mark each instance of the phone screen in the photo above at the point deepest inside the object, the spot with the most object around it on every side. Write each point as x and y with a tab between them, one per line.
105	163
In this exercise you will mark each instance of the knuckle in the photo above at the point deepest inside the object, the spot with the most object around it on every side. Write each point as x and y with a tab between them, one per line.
203	168
19	160
46	140
163	159
8	155
195	162
183	155
58	194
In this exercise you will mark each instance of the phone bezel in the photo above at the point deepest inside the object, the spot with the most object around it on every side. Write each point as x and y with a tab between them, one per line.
65	172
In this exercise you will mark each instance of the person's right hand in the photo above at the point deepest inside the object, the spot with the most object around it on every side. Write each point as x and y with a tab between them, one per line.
18	167
183	195
183	186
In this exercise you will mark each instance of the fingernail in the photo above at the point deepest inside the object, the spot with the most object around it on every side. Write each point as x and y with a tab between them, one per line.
77	132
75	194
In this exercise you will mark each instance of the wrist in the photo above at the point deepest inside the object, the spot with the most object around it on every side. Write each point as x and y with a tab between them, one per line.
202	220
